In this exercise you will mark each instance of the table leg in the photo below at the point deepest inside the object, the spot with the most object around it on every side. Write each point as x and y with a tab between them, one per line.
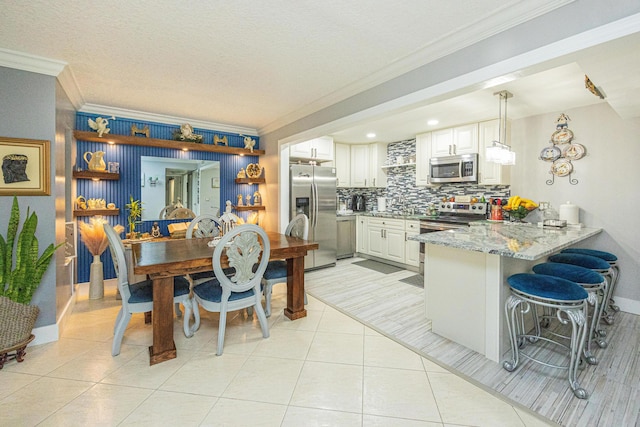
295	289
163	347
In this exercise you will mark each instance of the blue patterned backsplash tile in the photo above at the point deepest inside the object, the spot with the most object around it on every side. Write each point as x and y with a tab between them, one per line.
402	192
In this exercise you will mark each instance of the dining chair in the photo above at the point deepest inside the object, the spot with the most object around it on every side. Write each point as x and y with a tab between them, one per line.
243	247
277	270
137	297
204	225
181	213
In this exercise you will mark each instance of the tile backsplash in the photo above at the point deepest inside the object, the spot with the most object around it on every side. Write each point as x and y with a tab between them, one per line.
402	192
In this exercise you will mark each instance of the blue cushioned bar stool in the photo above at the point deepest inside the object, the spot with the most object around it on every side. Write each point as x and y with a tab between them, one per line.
599	266
528	293
591	282
613	262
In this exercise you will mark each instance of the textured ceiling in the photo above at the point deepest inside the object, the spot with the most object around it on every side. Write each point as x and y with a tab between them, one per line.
254	64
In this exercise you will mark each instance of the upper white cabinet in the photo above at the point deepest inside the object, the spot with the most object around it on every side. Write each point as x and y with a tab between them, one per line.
366	165
423	154
343	165
318	149
453	141
492	173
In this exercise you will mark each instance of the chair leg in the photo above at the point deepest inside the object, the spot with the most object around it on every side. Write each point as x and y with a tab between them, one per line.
305	299
121	325
196	315
221	329
178	311
118	318
188	309
267	299
262	318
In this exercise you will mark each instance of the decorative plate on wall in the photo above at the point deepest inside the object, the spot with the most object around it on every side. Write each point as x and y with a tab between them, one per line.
550	154
562	136
573	151
562	168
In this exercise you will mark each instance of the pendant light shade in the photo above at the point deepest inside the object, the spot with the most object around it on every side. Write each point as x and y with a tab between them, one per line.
500	152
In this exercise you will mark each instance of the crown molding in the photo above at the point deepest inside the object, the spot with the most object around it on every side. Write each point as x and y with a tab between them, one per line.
509	16
26	62
161	118
69	84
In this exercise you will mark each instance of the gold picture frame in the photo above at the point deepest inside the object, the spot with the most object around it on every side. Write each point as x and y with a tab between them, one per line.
25	167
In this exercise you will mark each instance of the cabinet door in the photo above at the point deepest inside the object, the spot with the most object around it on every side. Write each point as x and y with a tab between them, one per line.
491	173
362	235
465	139
442	143
377	159
395	243
359	165
302	149
343	165
412	250
323	148
377	244
423	154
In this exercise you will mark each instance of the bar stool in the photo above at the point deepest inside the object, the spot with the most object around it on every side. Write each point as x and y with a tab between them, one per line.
596	264
613	262
591	282
530	291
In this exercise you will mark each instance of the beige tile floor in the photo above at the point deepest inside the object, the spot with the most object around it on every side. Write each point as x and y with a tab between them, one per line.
324	370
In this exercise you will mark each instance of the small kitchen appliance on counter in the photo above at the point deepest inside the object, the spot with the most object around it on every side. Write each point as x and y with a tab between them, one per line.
382	204
359	203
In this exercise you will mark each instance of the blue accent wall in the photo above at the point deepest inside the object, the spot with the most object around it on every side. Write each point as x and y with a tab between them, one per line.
128	156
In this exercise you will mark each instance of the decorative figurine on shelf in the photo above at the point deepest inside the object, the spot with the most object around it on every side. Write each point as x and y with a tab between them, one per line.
249	143
186	134
240	203
257	199
220	140
254	170
144	130
100	125
241	174
155	230
228	207
81	202
95	161
248	198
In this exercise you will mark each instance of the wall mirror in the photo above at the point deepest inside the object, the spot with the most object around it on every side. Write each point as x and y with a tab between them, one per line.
169	183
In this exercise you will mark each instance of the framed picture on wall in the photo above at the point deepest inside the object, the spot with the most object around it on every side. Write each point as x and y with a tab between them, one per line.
25	167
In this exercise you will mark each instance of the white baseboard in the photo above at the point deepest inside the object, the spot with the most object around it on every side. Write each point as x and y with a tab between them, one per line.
628	305
50	333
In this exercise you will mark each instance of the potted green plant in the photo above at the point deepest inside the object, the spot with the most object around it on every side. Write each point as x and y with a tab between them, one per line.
18	283
135	214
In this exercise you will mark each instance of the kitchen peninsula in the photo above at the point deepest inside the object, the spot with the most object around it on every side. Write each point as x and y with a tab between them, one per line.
466	271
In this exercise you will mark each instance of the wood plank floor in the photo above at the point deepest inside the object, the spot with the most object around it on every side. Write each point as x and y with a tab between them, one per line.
397	310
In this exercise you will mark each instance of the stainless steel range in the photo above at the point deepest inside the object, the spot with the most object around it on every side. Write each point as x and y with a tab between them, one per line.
451	215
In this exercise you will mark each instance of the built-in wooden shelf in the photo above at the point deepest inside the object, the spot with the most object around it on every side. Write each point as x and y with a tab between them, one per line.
95	175
250	181
249	208
163	143
93	212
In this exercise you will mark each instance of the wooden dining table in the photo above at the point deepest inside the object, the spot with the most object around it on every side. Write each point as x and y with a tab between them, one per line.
162	260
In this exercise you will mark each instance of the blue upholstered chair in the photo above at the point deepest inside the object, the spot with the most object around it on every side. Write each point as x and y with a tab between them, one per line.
277	270
596	264
613	262
595	285
136	297
247	250
567	299
202	226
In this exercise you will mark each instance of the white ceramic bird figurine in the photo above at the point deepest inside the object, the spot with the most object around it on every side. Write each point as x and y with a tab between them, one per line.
249	143
100	125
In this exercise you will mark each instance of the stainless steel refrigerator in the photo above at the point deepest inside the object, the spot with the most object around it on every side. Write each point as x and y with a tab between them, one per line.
313	192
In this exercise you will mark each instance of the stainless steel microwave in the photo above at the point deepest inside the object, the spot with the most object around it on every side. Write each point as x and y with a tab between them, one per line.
460	168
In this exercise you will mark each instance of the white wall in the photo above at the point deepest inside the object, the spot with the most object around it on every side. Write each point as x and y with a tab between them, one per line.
607	176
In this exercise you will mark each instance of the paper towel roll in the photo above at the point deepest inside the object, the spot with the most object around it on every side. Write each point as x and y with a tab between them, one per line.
570	213
382	204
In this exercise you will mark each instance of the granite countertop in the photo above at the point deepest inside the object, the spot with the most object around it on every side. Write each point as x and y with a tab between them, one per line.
523	241
394	215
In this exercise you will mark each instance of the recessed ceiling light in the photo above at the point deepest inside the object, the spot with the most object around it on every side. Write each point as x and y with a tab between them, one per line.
432	122
371	135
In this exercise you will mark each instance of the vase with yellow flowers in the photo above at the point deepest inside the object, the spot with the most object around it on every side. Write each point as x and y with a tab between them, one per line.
135	214
95	239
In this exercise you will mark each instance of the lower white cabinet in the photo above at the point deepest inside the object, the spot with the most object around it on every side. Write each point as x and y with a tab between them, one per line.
411	247
362	238
386	238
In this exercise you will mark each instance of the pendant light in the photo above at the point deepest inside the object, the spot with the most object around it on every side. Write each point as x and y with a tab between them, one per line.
500	152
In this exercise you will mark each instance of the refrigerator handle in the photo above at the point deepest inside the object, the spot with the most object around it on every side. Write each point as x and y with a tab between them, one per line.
314	205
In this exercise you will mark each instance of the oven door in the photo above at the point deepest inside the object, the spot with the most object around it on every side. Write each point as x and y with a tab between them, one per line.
432	227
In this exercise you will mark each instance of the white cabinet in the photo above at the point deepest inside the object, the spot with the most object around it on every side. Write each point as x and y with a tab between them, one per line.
412	247
366	165
319	149
453	141
386	238
362	238
343	165
423	154
491	173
